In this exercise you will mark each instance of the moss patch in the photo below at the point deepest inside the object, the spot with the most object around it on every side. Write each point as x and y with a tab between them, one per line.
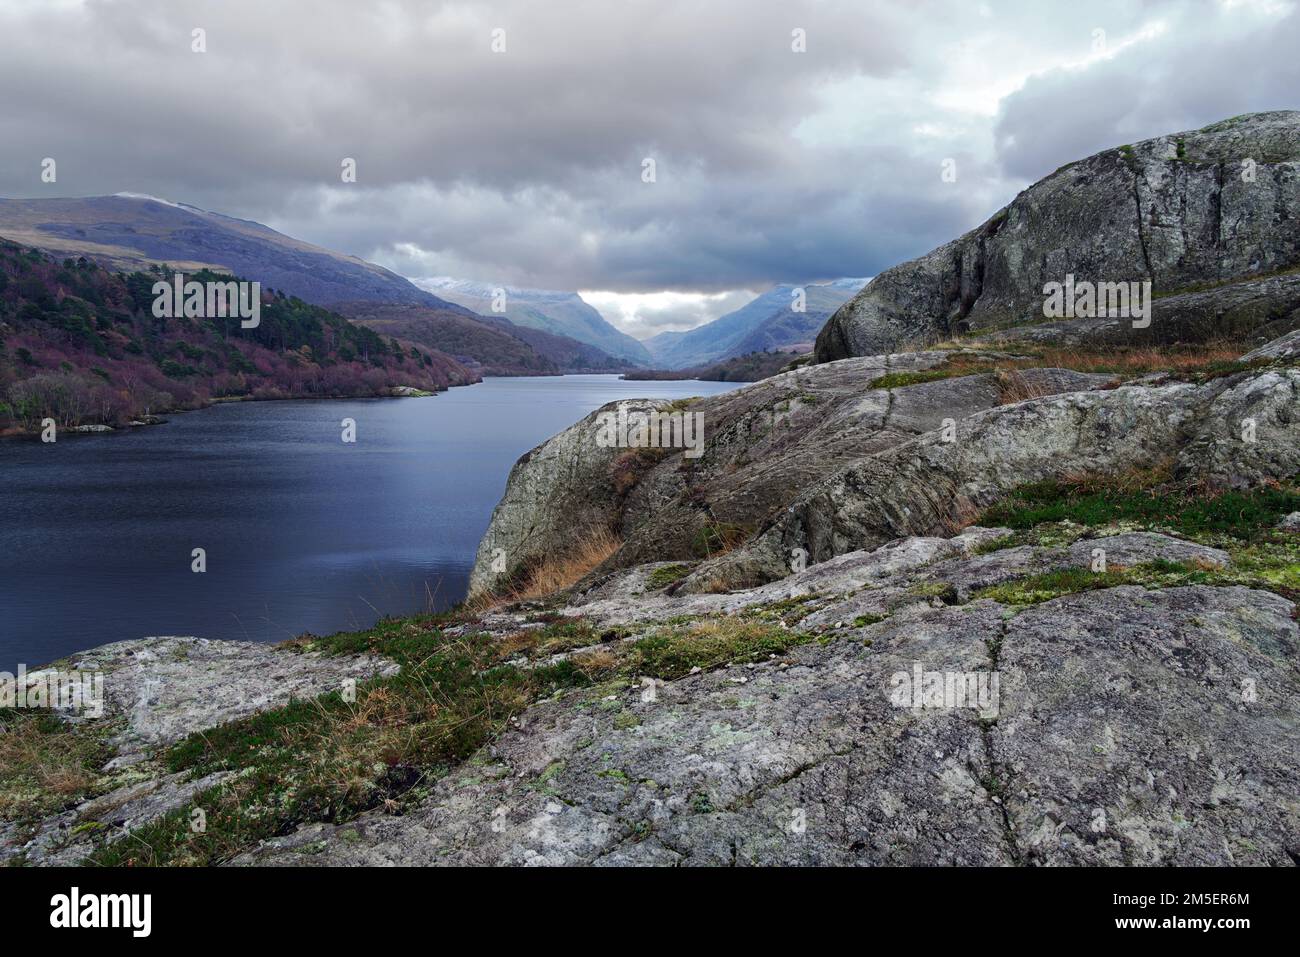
897	380
665	575
1242	515
672	652
1271	566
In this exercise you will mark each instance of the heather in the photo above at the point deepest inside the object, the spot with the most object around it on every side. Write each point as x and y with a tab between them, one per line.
80	345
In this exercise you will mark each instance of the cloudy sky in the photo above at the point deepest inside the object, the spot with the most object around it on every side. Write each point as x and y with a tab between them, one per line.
526	166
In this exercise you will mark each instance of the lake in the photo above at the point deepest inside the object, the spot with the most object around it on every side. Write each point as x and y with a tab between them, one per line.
302	532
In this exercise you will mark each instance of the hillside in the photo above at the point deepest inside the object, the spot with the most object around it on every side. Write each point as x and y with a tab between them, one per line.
559	313
494	346
131	233
81	345
766	322
750	367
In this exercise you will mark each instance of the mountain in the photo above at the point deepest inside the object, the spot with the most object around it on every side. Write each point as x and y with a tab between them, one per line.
127	232
767	322
82	345
559	313
1206	216
750	367
495	346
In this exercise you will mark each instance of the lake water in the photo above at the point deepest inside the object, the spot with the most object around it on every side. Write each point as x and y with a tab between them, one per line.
302	532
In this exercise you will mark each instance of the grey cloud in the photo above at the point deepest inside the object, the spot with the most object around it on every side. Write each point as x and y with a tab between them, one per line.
525	167
1204	72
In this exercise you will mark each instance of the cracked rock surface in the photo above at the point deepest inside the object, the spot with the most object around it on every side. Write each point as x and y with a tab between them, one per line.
1120	735
167	687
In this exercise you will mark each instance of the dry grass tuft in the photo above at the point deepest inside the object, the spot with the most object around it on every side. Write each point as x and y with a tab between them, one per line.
1014	387
1140	360
555	573
46	764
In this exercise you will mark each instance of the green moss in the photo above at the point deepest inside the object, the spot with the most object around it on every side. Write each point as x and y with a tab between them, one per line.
1272	566
944	591
551	770
997	544
791	611
897	380
1243	515
664	576
702	804
672	653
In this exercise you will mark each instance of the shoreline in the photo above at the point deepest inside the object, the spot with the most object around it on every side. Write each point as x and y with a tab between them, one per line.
94	428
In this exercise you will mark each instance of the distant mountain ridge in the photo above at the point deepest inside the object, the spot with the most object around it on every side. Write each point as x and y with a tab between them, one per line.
493	346
129	232
556	312
765	323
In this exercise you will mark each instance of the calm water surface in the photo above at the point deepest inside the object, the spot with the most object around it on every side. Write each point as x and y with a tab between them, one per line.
302	531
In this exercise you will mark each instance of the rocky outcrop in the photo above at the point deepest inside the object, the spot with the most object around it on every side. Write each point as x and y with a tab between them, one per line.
165	688
157	691
762	445
1210	207
1286	347
1129	727
1233	432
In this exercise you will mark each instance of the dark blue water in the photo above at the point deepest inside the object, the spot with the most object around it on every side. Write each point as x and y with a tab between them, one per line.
302	531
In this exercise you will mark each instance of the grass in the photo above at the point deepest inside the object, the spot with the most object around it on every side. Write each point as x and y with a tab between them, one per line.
1068	581
996	544
1094	501
717	538
1271	566
47	764
898	380
554	573
1057	512
329	760
674	651
1193	361
789	611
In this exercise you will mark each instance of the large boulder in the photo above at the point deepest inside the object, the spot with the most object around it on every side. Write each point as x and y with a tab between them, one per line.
1190	212
1231	432
762	446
